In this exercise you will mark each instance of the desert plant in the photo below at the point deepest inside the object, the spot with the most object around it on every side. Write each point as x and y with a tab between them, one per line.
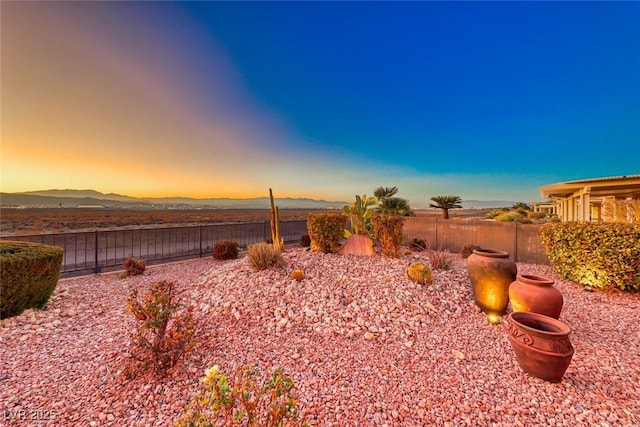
536	215
226	249
305	241
418	244
133	267
164	332
325	230
250	399
297	274
388	232
382	193
394	206
359	214
508	217
440	259
521	206
276	238
29	275
468	249
446	203
420	273
263	255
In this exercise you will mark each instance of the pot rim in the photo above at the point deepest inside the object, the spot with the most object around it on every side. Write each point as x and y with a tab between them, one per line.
534	279
559	328
491	253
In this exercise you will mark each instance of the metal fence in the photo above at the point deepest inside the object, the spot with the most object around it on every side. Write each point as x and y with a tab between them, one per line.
97	251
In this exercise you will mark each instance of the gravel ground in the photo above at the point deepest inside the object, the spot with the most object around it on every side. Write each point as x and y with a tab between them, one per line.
364	344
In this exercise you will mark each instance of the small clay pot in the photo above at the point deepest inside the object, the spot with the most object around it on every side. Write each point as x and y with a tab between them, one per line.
491	272
541	344
535	294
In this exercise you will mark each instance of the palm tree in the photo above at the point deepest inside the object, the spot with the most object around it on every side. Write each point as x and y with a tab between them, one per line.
394	206
445	203
384	192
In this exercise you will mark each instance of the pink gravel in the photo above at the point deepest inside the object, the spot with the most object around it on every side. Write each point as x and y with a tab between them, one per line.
364	344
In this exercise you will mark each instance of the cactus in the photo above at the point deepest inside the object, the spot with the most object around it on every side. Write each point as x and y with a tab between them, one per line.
420	273
297	274
278	241
359	213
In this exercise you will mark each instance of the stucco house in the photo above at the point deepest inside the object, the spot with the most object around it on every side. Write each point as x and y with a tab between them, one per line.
609	199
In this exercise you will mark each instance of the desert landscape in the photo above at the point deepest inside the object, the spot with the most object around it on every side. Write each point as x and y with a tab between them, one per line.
60	220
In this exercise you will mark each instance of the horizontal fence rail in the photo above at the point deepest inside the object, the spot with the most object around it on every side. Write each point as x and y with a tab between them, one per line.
106	250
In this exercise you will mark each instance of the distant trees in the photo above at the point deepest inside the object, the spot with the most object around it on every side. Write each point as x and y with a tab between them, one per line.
445	203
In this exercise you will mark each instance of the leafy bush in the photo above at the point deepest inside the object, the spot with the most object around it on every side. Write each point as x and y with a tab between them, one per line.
305	241
325	230
418	244
508	217
263	256
388	232
440	260
468	249
536	215
251	399
133	267
226	249
164	332
29	275
420	273
599	255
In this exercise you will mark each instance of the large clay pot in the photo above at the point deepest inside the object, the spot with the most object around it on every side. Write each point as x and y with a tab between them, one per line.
357	244
491	272
541	344
536	294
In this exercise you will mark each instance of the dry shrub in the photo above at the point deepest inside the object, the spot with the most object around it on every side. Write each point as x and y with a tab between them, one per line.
133	267
164	332
263	255
439	259
225	249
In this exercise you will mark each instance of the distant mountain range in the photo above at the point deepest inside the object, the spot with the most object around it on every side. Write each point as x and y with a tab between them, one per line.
92	198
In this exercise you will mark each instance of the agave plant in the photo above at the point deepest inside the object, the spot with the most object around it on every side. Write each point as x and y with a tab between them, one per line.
359	213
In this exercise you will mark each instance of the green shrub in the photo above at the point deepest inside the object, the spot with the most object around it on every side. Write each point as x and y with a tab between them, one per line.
250	398
536	215
508	217
468	249
165	329
133	267
29	275
325	230
420	273
594	254
225	249
263	256
388	232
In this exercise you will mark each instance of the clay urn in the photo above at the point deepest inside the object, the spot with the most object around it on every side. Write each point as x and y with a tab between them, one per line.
491	273
536	294
541	344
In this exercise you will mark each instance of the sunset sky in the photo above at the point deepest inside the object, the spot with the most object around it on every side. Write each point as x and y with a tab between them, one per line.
485	100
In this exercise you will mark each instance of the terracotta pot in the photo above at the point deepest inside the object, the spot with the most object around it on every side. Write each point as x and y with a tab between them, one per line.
357	244
536	294
491	272
541	344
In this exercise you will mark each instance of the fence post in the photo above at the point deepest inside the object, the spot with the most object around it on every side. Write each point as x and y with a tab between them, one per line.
96	267
200	237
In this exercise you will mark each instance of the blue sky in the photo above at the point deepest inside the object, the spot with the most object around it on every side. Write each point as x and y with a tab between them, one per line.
485	100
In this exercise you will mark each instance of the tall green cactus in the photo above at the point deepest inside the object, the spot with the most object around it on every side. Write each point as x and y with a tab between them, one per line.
278	241
359	213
